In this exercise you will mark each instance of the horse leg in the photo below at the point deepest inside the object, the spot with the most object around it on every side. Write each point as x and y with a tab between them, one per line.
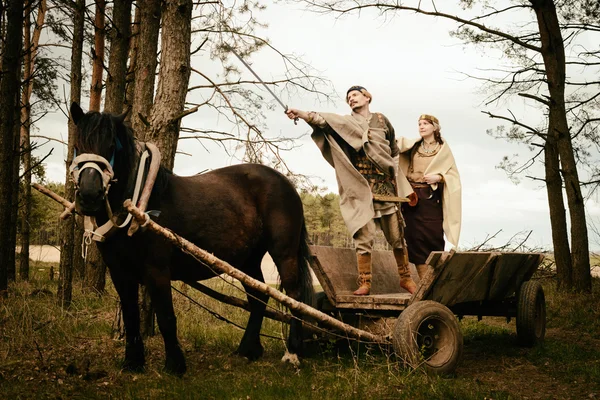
287	265
250	346
134	346
159	285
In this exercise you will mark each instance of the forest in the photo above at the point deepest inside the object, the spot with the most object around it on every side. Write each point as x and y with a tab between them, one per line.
176	72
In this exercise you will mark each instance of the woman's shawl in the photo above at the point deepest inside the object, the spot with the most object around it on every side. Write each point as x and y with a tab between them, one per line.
443	163
356	199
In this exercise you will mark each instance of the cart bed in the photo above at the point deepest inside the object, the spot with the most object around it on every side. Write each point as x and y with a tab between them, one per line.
455	278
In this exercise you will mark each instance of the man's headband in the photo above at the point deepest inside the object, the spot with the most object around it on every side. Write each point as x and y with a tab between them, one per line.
360	89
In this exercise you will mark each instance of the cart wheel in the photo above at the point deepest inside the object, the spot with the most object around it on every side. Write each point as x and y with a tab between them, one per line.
531	314
427	335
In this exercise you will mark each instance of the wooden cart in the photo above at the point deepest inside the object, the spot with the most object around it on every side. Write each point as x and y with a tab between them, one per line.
426	332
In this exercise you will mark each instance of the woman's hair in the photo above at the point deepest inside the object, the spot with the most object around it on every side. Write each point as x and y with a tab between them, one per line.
437	132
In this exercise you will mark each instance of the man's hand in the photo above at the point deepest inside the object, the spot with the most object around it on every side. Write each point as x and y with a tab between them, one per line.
294	113
430	179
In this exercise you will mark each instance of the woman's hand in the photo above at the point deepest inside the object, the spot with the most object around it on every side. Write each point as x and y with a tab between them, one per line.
430	179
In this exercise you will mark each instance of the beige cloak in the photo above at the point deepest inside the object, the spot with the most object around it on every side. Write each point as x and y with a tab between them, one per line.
356	199
443	163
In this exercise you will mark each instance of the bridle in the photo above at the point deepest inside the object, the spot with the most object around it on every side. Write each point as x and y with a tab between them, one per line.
94	161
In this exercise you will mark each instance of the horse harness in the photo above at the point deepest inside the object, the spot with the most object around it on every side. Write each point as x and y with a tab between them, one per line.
140	197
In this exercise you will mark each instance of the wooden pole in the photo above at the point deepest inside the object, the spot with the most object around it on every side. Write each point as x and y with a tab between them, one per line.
237	302
225	267
243	304
69	207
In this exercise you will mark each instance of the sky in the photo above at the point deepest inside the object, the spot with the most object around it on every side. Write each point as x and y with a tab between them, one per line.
411	66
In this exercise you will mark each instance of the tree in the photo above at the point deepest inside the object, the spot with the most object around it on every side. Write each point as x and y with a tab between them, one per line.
30	47
98	56
68	226
539	74
9	119
174	75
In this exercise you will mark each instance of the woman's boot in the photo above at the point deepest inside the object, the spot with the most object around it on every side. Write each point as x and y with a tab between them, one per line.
422	270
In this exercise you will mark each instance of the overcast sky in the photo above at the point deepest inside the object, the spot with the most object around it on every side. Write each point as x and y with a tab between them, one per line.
411	66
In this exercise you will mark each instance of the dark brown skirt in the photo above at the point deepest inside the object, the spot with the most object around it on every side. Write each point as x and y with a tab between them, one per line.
424	230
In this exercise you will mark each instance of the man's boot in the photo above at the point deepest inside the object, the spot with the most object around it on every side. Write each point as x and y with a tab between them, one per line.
406	282
364	274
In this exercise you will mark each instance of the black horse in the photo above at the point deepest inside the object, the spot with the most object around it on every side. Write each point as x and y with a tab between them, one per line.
238	213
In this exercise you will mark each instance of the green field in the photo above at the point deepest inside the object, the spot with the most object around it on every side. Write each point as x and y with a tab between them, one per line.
46	352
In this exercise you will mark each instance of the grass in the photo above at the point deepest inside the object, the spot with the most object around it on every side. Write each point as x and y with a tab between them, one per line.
47	352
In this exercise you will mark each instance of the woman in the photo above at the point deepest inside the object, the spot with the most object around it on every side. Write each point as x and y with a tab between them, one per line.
431	170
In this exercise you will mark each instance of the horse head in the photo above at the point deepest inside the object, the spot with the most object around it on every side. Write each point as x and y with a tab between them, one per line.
104	147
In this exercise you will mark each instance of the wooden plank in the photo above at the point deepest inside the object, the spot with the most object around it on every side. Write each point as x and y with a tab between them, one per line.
388	298
324	280
511	269
475	286
339	272
458	272
372	307
387	301
436	261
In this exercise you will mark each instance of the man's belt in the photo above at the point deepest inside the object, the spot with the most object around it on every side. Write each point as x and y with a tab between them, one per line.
392	199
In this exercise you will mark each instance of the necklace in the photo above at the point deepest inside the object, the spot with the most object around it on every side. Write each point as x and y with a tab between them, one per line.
429	150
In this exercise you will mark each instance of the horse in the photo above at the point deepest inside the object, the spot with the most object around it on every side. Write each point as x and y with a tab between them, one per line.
238	213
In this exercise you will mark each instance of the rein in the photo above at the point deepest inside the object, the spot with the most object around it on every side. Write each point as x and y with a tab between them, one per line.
100	233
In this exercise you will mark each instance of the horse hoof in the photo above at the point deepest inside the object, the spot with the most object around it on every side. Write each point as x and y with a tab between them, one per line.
252	355
175	368
291	358
133	366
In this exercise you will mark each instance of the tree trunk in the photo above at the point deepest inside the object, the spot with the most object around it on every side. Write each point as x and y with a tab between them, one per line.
553	53
117	64
134	39
30	47
558	218
95	273
93	255
145	66
174	75
98	56
78	261
9	116
14	212
67	226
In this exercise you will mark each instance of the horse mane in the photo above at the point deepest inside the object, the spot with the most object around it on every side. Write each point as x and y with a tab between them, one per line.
97	132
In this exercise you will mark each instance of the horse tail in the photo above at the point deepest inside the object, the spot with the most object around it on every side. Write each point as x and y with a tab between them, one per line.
305	275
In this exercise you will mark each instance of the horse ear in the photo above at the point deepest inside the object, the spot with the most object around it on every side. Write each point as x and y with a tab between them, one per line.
76	112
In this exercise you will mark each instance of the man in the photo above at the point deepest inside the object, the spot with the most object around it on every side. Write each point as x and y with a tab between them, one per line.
362	149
